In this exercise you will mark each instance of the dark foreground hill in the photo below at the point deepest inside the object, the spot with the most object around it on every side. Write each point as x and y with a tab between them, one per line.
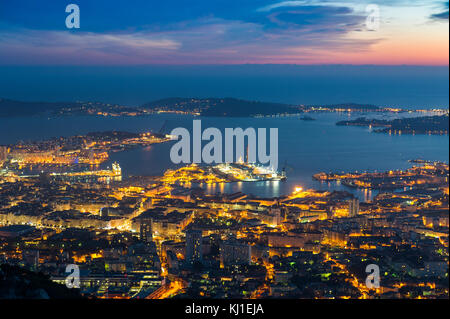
19	283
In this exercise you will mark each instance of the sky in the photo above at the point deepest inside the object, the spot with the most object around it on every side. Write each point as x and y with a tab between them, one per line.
302	52
179	32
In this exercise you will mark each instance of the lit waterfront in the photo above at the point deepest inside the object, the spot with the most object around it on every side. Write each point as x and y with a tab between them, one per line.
323	147
161	236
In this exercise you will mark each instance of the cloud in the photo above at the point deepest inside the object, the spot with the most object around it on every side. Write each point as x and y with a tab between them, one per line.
248	36
64	47
282	4
198	31
442	15
87	39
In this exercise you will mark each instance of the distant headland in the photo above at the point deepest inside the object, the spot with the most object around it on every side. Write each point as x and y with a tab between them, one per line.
436	125
214	107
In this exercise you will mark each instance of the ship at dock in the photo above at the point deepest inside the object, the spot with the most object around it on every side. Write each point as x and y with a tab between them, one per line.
248	172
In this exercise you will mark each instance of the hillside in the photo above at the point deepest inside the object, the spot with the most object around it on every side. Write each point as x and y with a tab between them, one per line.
438	124
229	107
19	283
220	107
10	108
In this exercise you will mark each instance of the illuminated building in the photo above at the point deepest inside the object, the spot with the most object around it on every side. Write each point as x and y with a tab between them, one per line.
353	207
3	154
145	231
193	245
233	252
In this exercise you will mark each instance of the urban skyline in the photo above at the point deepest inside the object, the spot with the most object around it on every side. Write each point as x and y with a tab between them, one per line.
222	154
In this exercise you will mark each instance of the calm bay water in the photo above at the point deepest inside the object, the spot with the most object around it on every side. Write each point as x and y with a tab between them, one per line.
306	147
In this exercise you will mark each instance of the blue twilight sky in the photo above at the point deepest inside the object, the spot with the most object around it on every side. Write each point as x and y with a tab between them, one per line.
138	50
224	32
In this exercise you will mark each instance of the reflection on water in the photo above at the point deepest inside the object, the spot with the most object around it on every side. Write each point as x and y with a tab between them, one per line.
305	147
268	189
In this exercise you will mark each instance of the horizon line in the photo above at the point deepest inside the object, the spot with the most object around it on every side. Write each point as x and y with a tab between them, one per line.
223	64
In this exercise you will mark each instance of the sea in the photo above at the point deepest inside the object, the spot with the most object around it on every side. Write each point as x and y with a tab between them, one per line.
304	147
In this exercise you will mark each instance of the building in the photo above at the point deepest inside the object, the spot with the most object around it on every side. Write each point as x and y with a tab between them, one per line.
285	240
193	245
165	224
234	252
276	213
3	154
145	231
353	207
